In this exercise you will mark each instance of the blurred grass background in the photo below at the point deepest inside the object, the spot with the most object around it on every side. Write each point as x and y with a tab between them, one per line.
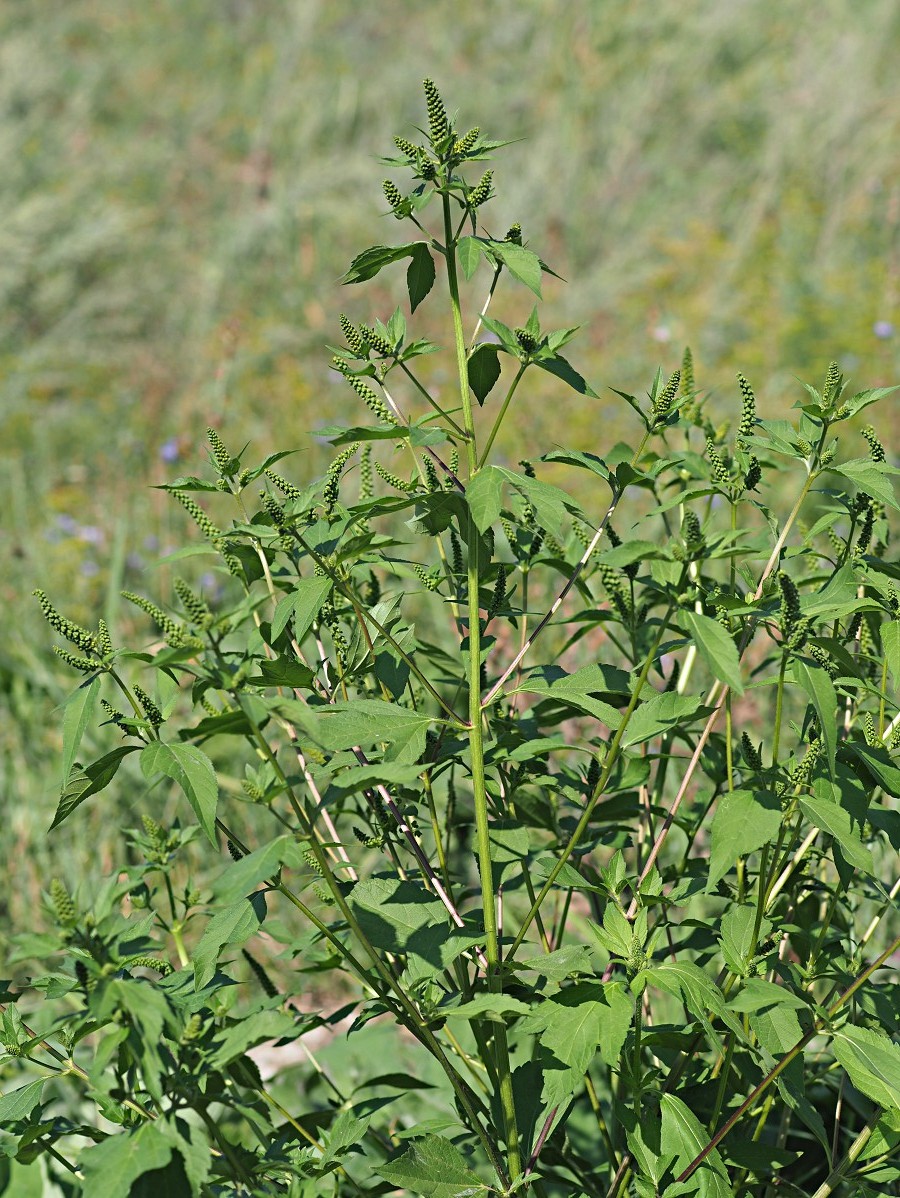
185	182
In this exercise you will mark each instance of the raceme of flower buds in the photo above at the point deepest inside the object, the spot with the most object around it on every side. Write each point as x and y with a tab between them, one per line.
151	711
284	486
466	143
392	194
87	665
352	336
380	344
748	408
80	637
832	388
406	147
876	449
666	397
481	192
790	602
717	466
220	454
62	904
437	114
203	521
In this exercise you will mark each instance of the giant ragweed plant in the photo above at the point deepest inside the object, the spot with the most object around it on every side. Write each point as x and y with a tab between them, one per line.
586	798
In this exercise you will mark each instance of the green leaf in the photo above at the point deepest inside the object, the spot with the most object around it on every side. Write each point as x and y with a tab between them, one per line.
302	605
863	398
777	1029
367	264
871	477
587	461
486	1006
716	648
243	876
112	1167
434	1167
78	712
347	1131
743	822
18	1104
468	253
484	370
419	275
233	925
632	551
697	991
737	933
662	712
484	496
283	671
522	264
872	1062
358	722
562	369
684	1136
193	771
251	1030
580	1021
576	690
84	783
835	820
890	645
823	697
551	504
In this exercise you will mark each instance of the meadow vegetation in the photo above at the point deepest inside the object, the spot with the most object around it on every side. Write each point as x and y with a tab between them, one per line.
567	779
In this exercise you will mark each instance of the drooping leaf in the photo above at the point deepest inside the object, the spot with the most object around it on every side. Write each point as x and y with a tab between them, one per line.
78	713
743	822
561	368
484	370
484	496
521	263
367	264
434	1167
18	1104
231	925
419	275
716	647
890	644
684	1136
660	713
834	819
86	782
241	877
871	477
193	771
468	253
302	606
823	697
359	722
872	1062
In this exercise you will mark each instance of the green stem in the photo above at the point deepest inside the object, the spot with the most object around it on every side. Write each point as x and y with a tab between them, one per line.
477	721
609	764
500	415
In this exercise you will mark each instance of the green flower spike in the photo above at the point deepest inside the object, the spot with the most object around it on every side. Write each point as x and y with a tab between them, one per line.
286	488
437	115
62	904
203	521
221	456
392	194
717	466
666	397
80	637
748	408
481	192
352	336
